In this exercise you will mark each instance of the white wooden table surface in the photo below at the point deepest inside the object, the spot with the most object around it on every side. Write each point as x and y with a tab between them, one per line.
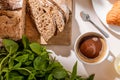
104	70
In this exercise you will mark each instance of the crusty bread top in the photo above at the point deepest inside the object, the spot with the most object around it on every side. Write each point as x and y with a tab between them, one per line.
11	4
113	16
11	25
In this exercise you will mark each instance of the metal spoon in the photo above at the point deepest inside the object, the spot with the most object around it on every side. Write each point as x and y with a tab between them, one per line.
86	17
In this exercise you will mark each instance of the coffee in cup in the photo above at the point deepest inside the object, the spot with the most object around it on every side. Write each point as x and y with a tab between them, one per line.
91	48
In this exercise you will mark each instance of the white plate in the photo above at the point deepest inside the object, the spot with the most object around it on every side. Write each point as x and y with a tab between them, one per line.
102	7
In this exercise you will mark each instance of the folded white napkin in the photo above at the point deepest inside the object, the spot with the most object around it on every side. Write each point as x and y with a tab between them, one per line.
68	63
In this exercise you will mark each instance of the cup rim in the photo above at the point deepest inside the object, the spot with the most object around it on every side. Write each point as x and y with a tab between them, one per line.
106	51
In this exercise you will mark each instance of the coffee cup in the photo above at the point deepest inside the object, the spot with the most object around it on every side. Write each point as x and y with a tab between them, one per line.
91	48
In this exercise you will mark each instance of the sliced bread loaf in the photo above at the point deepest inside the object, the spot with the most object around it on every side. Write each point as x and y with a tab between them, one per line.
30	30
42	18
59	20
56	14
62	6
47	17
12	22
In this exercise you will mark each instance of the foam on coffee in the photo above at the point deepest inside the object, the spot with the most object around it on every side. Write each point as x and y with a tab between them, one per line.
102	52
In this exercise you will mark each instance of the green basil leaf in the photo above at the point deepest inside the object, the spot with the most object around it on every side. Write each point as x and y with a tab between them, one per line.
25	42
11	63
37	48
40	73
1	77
2	50
31	77
5	70
40	63
50	77
1	58
28	50
74	72
59	73
91	77
27	63
31	57
15	76
30	68
18	65
23	72
10	45
7	75
80	78
53	65
22	58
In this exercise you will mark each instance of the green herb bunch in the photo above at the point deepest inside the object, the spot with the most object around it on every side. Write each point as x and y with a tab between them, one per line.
23	60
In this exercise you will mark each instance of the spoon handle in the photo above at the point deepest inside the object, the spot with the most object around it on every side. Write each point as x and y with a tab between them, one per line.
103	32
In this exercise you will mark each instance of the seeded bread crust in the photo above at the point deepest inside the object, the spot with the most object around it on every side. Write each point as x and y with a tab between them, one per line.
12	23
11	4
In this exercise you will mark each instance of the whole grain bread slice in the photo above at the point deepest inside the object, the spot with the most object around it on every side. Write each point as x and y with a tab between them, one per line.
43	20
56	14
47	17
46	26
62	6
59	20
